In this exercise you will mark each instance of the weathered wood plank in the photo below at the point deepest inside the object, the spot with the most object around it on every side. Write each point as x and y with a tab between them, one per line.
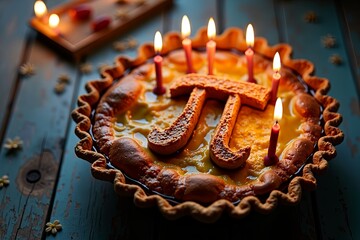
198	18
261	14
348	12
338	192
14	35
40	117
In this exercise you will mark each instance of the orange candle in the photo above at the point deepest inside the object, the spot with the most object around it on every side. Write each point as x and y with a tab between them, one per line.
211	45
271	157
159	88
249	53
276	78
185	32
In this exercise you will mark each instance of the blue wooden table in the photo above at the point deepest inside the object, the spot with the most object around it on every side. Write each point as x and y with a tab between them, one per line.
48	182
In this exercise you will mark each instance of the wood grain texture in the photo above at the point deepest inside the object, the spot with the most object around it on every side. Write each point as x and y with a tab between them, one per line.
336	192
348	12
241	13
39	117
14	36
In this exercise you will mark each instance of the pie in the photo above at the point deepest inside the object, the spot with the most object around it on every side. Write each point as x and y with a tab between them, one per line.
199	149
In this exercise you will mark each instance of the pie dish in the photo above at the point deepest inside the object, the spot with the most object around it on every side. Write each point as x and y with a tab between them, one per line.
198	149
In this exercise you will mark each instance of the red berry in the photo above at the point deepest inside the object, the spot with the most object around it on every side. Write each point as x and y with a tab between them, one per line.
80	12
100	23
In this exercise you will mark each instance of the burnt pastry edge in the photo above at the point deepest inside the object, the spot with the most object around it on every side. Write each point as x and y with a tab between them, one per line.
231	38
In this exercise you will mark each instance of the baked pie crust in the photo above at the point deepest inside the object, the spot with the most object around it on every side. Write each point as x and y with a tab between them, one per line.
201	195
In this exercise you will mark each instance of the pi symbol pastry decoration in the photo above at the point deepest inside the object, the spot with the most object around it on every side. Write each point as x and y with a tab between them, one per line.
200	87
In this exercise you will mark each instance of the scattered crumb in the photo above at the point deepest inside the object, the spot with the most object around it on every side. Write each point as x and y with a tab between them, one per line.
60	87
328	41
335	59
64	78
13	144
27	69
120	46
132	43
4	181
53	227
311	17
124	45
86	68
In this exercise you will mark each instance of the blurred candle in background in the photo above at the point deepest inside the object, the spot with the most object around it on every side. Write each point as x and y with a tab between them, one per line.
40	9
54	21
211	45
186	42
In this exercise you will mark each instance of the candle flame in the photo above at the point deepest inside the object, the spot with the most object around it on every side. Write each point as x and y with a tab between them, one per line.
157	42
40	8
185	27
211	30
276	62
54	20
250	35
278	110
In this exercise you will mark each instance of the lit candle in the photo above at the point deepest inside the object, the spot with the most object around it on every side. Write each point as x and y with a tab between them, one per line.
271	157
211	45
185	32
159	88
249	53
40	9
54	21
276	77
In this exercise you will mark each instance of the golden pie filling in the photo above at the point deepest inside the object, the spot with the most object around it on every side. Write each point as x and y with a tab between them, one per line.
252	127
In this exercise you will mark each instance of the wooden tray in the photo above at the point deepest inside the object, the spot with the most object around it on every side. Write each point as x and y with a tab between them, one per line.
77	37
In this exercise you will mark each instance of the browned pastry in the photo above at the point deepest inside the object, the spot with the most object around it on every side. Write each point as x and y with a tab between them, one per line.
126	114
220	152
220	88
178	134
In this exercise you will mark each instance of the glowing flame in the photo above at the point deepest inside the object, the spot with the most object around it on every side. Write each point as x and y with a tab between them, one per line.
54	20
250	35
40	8
276	62
278	110
157	42
211	30
185	27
